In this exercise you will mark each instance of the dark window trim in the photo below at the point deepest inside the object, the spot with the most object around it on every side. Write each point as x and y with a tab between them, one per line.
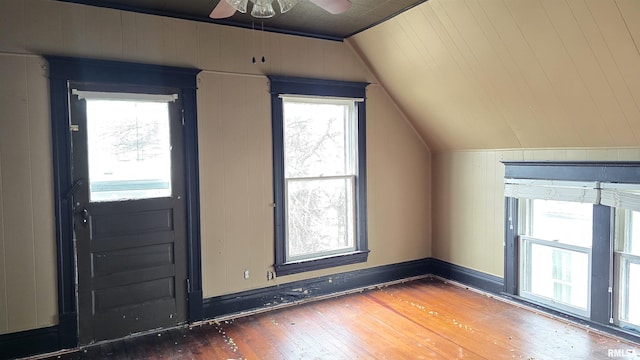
601	265
511	269
618	171
280	85
63	70
603	219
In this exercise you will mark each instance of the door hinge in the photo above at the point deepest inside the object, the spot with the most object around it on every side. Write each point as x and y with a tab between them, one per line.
182	112
188	286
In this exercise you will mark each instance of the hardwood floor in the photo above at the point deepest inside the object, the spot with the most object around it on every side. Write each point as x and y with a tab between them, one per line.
421	319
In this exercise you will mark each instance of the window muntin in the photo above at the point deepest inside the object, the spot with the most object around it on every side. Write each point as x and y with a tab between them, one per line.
129	150
555	253
320	165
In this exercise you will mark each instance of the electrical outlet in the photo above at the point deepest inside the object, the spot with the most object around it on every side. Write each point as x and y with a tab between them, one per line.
270	275
246	274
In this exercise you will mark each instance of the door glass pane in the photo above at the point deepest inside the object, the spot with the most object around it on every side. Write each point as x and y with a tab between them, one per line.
129	150
562	221
559	274
320	216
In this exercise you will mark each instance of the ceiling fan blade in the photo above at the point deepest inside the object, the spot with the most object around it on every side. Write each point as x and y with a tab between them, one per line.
333	6
222	10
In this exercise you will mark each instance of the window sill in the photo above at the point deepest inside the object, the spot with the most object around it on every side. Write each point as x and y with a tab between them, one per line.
321	263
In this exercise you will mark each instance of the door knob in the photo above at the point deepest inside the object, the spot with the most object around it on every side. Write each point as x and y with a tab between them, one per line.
84	215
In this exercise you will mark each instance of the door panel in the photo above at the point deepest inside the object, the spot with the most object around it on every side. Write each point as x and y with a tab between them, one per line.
115	297
123	259
129	222
134	319
130	217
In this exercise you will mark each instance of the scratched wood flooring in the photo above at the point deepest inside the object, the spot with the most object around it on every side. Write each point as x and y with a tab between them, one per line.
421	319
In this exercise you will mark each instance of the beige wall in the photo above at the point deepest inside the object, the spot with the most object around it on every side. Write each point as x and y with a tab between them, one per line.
234	138
468	200
236	205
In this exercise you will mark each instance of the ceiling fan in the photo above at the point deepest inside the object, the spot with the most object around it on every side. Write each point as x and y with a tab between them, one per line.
264	8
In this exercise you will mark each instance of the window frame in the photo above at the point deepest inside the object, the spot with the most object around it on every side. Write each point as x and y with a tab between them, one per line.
317	88
525	242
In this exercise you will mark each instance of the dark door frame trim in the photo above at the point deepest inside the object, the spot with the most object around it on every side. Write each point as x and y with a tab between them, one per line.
62	70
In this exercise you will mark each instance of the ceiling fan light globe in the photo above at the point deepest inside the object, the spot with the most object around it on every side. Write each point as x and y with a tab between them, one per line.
262	11
239	5
262	2
286	5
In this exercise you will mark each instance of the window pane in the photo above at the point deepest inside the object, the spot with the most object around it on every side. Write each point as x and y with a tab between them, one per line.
558	274
320	217
632	308
562	221
634	233
318	140
129	150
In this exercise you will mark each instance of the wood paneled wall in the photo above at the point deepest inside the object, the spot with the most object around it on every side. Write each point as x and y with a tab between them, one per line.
234	138
496	74
468	200
27	247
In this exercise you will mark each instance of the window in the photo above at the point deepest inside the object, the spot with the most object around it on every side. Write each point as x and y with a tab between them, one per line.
556	253
627	264
320	152
319	173
572	240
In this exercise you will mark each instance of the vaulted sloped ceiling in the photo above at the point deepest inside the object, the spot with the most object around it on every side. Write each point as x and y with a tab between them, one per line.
489	74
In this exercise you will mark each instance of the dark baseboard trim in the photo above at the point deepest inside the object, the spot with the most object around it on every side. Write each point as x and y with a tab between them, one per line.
306	289
608	329
495	285
195	306
466	276
29	342
48	339
67	331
